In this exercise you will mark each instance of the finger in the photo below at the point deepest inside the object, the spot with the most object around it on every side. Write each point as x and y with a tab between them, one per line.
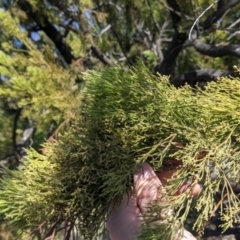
124	221
165	176
195	190
149	191
184	235
148	187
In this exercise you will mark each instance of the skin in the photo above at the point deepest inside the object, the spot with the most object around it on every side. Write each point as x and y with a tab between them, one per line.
124	222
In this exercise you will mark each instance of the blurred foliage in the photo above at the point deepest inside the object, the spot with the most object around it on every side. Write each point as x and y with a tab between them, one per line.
46	50
6	123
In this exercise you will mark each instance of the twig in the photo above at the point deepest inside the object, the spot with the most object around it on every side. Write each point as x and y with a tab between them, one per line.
120	43
57	130
68	232
195	22
233	24
219	13
54	135
97	53
152	15
237	33
68	27
108	27
176	12
52	231
37	230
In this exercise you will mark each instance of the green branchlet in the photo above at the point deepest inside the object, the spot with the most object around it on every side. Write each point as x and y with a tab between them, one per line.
127	117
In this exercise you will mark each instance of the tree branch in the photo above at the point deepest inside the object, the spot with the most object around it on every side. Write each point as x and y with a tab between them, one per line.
68	28
97	53
201	75
63	7
156	24
12	160
175	47
57	38
115	34
168	64
237	33
233	24
174	10
216	51
52	231
220	4
222	8
49	30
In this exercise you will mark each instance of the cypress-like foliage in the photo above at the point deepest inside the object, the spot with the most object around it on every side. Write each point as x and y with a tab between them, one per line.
127	117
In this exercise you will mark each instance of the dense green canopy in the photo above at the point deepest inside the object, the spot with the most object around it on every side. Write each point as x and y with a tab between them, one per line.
127	117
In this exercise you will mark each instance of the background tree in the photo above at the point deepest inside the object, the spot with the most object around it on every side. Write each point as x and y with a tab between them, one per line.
46	46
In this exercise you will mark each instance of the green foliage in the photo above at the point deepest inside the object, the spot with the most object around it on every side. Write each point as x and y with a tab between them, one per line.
128	117
6	123
122	117
8	232
45	90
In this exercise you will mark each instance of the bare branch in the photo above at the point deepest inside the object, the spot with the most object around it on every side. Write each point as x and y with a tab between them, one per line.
220	3
12	160
52	231
68	27
233	24
45	25
57	38
201	75
157	46
97	53
216	51
115	33
182	15
174	10
213	18
156	24
108	27
196	21
175	47
237	33
69	231
168	64
15	122
222	9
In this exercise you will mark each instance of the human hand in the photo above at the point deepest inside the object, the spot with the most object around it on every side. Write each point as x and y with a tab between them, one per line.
125	221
